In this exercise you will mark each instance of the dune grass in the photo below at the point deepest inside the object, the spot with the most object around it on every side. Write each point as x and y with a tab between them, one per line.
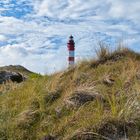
37	107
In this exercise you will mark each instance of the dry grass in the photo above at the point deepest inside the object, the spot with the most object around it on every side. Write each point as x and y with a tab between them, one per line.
103	51
37	108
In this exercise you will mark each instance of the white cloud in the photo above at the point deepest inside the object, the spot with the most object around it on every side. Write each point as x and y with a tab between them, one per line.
38	40
62	9
2	38
125	9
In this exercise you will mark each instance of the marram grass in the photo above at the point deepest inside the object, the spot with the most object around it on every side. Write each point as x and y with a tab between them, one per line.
36	108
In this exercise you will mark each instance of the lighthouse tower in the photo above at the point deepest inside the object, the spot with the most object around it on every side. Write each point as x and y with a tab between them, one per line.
71	49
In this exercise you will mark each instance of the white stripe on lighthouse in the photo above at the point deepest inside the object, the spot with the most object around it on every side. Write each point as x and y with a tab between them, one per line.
71	63
71	53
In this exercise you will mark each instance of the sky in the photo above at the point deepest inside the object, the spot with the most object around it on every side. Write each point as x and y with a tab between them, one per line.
34	33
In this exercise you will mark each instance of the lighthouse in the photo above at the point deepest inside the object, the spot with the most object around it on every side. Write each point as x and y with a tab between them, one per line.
71	49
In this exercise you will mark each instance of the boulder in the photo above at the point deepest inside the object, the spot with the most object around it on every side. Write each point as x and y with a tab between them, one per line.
11	76
79	98
117	130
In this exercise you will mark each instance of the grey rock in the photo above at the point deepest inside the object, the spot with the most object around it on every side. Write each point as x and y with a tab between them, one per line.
11	76
79	98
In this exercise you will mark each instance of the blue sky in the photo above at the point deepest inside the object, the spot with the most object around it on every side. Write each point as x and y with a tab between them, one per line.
34	33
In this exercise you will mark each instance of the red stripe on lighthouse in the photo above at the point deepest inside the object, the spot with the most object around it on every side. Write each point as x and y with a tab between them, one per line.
71	47
71	58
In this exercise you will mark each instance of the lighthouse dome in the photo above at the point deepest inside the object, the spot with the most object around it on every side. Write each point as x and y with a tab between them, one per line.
71	37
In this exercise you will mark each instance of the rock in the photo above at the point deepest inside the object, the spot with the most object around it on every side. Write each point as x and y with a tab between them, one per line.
79	98
11	76
109	130
116	130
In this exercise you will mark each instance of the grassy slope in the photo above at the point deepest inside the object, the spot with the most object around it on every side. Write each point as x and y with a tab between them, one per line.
16	68
19	69
29	112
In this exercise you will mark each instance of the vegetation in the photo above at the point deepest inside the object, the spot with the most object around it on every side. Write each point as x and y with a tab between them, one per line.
16	68
45	106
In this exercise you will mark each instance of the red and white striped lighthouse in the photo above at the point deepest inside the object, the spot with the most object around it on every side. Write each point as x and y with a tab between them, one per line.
71	49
